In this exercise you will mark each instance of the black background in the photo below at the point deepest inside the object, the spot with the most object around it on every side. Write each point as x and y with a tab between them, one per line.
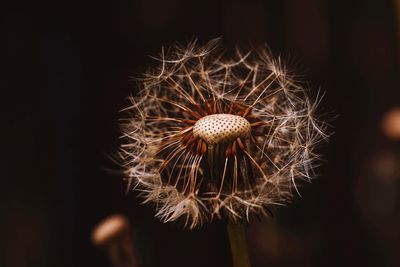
66	68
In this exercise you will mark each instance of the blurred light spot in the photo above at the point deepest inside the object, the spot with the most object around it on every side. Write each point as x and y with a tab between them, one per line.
391	124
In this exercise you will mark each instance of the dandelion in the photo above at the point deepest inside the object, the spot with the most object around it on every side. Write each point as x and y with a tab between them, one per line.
211	137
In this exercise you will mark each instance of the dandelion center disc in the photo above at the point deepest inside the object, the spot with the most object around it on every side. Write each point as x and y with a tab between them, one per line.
221	128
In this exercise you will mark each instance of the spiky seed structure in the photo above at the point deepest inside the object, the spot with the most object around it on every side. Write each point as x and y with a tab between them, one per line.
210	137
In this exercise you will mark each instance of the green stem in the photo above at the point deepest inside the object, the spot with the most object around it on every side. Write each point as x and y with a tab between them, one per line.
237	240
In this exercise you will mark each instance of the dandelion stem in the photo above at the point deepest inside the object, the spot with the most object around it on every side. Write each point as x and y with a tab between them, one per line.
237	240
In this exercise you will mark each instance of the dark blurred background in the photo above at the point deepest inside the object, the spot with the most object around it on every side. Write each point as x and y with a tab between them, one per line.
66	68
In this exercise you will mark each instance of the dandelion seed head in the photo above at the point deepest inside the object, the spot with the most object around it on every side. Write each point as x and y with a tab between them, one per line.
211	137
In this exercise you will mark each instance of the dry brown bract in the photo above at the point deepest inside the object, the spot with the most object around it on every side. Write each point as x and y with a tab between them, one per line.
213	137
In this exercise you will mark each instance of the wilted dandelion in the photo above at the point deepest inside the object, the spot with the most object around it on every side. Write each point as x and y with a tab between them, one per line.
212	137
